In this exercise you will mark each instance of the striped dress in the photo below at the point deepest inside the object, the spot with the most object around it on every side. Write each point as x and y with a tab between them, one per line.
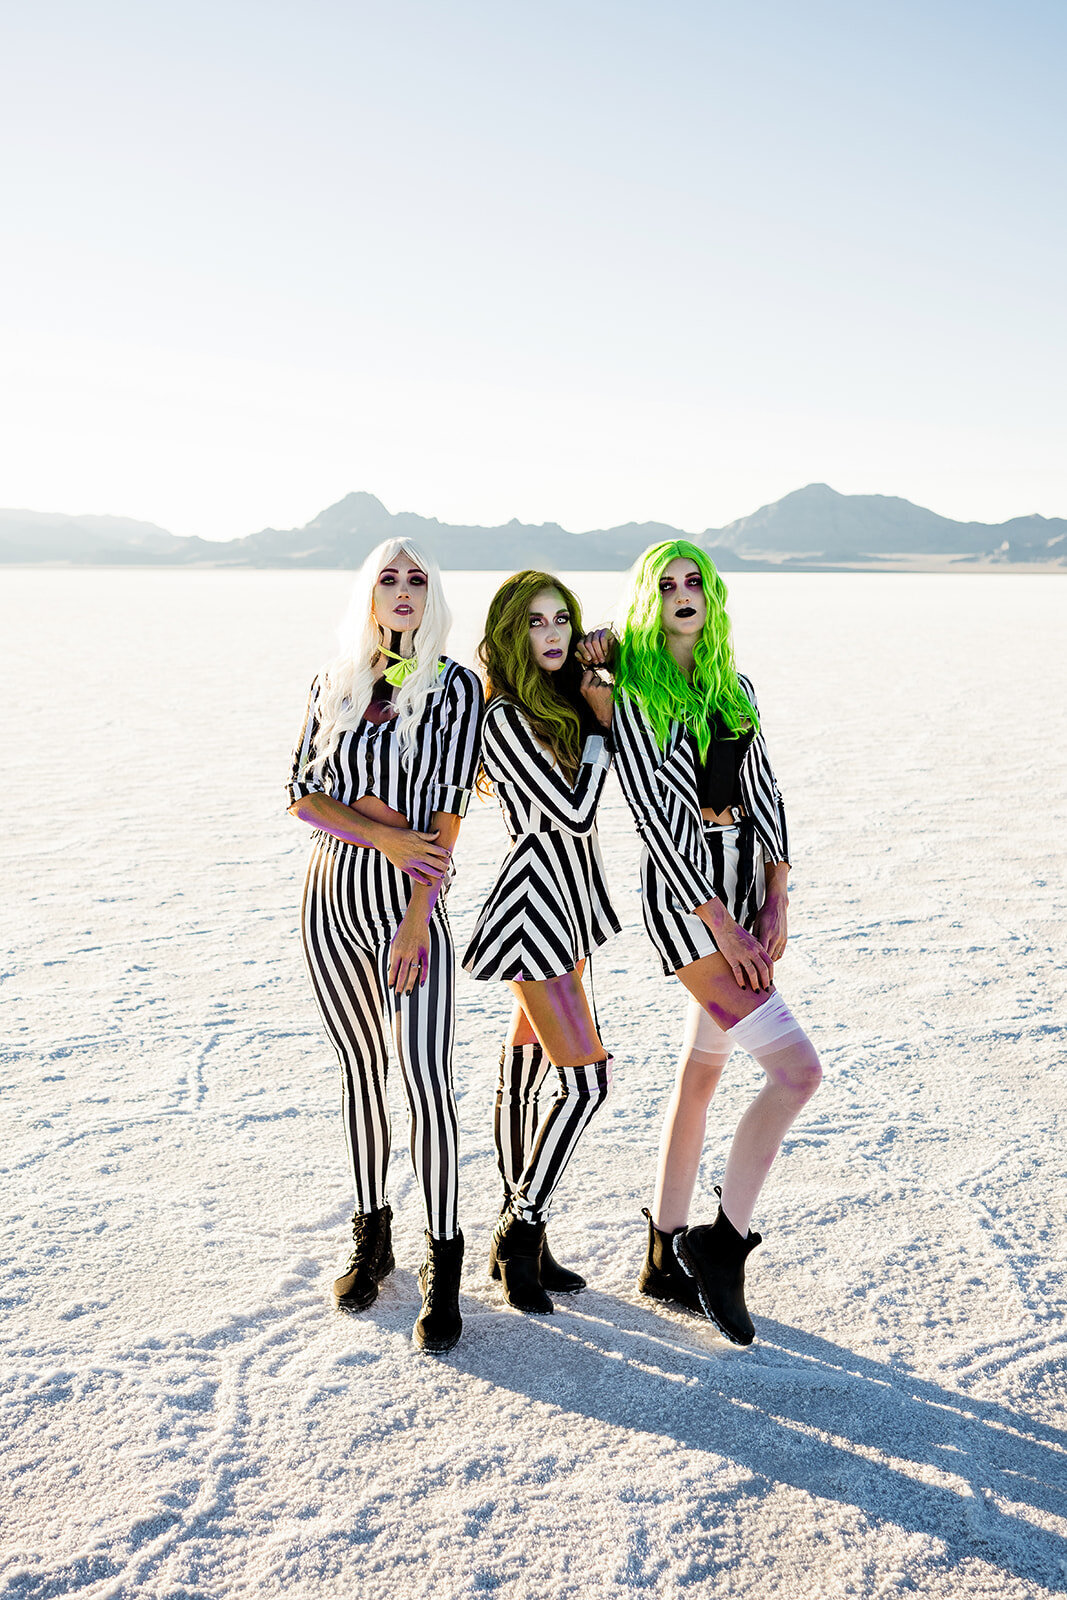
549	907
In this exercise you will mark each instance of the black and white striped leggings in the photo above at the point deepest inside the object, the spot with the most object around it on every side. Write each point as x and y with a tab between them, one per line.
354	901
532	1151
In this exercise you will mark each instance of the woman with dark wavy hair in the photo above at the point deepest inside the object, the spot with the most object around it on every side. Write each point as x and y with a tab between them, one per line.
545	753
694	767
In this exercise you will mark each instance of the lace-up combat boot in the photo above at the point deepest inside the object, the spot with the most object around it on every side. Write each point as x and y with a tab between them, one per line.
370	1262
439	1323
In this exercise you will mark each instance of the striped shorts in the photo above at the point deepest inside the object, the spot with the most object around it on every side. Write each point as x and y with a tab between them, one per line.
739	882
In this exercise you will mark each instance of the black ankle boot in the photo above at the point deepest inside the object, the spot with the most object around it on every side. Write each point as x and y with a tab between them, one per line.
439	1323
561	1280
714	1256
370	1262
662	1277
515	1258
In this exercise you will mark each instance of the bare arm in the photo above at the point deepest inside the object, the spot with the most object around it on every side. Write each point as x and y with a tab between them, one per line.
409	954
417	854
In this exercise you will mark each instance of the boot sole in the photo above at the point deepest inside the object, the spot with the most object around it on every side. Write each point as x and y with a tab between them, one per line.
549	1288
671	1300
436	1349
687	1267
341	1304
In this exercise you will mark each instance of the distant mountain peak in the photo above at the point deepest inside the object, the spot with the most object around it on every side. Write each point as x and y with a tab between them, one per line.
815	524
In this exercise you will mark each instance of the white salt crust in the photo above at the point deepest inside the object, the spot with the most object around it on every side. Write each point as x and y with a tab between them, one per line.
182	1414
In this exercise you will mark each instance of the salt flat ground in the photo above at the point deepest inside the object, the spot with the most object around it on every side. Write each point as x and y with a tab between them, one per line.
183	1414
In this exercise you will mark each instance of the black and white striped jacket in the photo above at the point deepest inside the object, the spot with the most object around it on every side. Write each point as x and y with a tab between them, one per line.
661	788
436	775
534	794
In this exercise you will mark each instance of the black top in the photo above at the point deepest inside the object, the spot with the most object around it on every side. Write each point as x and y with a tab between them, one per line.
718	776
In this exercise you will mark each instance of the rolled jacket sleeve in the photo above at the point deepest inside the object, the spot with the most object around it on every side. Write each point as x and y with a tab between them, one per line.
513	756
461	743
301	782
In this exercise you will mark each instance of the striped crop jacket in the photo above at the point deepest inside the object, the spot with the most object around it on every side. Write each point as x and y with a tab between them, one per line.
661	788
439	769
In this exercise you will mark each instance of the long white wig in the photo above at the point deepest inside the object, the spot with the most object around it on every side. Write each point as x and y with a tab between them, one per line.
346	682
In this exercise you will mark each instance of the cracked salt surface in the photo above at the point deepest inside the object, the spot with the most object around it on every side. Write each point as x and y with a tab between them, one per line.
183	1415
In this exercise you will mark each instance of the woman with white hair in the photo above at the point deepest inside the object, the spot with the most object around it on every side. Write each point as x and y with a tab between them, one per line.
382	771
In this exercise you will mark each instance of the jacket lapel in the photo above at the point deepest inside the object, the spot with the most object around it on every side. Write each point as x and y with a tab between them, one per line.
677	773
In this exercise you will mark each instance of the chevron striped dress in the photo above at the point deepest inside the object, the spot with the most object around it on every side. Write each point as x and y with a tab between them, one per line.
549	907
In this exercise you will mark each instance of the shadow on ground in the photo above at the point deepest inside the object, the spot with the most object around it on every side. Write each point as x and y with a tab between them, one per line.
799	1410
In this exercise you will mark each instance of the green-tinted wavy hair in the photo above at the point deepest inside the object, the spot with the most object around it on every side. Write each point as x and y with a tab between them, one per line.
549	700
648	673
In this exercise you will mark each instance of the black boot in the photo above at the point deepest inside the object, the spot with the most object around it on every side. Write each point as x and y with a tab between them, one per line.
714	1256
371	1260
439	1323
661	1275
561	1280
515	1258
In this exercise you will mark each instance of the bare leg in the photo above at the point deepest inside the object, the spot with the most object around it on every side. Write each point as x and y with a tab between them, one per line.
793	1075
705	1049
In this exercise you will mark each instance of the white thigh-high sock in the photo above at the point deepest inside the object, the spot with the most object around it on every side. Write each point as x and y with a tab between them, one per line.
705	1049
775	1038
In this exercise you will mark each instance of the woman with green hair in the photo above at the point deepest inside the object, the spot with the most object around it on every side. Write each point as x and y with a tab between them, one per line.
544	752
693	765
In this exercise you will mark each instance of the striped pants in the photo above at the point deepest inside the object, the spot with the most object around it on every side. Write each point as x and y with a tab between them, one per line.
532	1152
354	901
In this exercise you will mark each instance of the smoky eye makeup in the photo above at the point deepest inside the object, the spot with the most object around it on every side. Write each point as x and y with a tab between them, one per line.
390	575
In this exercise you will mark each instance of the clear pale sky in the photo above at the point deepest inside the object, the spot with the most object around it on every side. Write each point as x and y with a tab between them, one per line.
566	261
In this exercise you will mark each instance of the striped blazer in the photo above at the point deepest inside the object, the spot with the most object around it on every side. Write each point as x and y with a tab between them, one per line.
661	788
439	769
534	795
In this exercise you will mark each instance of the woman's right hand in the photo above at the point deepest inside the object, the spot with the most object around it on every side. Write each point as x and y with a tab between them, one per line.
414	853
749	962
596	649
598	696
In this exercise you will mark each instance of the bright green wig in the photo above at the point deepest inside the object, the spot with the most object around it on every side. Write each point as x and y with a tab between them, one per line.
648	673
510	669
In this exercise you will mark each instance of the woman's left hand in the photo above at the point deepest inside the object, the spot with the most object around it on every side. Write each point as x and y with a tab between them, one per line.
599	697
409	955
770	927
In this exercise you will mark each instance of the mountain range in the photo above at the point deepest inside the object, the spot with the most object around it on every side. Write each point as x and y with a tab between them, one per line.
814	528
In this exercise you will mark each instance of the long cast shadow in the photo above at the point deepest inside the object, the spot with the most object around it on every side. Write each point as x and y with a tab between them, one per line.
799	1410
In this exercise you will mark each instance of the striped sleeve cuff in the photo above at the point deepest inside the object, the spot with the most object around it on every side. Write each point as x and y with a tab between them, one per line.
451	798
595	752
300	788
